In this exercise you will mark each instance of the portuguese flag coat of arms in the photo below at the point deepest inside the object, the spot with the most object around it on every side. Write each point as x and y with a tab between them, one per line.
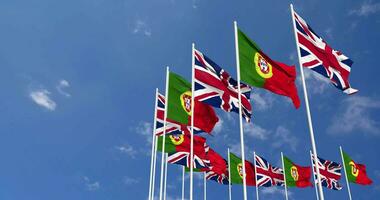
259	70
356	173
295	175
179	105
236	168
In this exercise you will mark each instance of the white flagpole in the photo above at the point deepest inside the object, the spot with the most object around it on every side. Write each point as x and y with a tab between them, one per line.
345	173
192	121
240	111
314	148
315	183
154	167
204	186
183	183
164	134
166	174
283	168
152	161
257	186
229	175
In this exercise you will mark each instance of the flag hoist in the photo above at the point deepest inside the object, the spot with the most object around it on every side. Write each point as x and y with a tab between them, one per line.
163	139
240	111
192	121
310	123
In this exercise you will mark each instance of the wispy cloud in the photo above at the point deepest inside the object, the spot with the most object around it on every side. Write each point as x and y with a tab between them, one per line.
218	127
61	86
91	186
283	137
355	114
366	8
130	180
141	27
145	129
262	100
255	131
127	149
270	191
41	97
316	82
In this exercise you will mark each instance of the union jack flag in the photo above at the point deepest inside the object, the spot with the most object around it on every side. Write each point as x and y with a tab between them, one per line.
172	127
220	178
183	158
266	174
330	173
317	55
214	86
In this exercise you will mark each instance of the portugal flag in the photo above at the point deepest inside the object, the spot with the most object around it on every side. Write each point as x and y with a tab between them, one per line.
179	105
356	173
236	168
295	175
257	69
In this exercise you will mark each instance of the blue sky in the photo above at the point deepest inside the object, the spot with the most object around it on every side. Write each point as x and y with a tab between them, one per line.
78	80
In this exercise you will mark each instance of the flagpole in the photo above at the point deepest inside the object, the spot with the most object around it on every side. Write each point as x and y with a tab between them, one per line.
204	186
183	183
166	174
229	175
192	122
257	186
314	148
240	111
153	146
164	134
154	167
345	173
315	183
283	167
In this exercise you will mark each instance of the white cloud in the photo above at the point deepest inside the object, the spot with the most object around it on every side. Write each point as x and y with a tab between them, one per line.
61	86
328	33
127	149
283	137
145	129
130	181
91	186
261	101
274	191
141	27
367	8
255	131
354	114
41	98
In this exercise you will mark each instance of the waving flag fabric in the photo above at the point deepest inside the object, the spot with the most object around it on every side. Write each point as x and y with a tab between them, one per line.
317	55
214	86
178	148
330	173
356	173
217	169
267	175
259	70
236	167
172	127
295	175
179	105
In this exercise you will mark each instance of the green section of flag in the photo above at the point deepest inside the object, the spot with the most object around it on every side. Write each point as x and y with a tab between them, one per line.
169	146
187	169
178	99
347	159
235	166
288	165
247	51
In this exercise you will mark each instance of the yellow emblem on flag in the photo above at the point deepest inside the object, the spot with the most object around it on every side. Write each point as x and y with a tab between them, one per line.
354	169
240	170
186	101
262	66
177	139
294	173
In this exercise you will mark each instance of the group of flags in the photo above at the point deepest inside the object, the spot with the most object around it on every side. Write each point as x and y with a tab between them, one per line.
213	87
